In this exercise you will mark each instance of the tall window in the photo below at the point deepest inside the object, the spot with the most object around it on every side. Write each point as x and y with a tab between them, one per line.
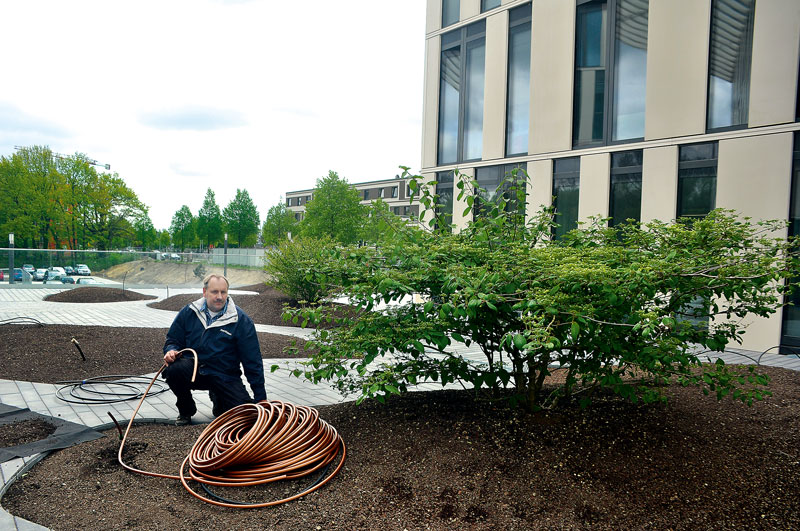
450	12
566	186
790	335
729	62
626	187
495	182
486	5
461	94
697	179
519	80
610	71
444	189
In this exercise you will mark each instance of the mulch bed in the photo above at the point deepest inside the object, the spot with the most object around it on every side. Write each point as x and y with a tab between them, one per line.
264	308
437	460
46	353
446	460
92	294
24	432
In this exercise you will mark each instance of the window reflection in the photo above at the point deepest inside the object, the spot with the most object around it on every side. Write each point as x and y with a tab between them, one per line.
729	62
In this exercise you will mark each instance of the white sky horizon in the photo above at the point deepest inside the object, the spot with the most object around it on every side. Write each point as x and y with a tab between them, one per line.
180	96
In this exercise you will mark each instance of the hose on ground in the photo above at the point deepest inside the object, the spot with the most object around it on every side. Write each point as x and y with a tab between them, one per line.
107	389
255	444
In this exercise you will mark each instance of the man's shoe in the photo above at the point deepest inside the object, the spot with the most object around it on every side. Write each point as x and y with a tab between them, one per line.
183	420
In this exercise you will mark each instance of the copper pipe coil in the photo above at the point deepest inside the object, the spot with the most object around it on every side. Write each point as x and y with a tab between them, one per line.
255	444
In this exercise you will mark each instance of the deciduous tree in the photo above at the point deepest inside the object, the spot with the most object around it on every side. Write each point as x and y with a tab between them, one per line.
209	221
277	225
241	219
335	211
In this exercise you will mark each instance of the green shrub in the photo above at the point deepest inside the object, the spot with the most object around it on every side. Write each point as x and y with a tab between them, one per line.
292	267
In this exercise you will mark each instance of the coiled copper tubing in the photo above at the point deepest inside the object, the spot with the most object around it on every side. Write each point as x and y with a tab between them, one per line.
254	444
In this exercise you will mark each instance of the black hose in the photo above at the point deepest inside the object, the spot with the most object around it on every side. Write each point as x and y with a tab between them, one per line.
21	320
85	392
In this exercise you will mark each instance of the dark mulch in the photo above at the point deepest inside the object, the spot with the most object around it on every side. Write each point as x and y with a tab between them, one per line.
24	432
264	308
46	353
96	294
443	460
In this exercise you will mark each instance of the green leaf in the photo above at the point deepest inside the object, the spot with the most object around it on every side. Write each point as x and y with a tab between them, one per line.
273	368
519	341
575	329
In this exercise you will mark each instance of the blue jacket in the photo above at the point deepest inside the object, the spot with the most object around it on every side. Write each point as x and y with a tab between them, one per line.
222	346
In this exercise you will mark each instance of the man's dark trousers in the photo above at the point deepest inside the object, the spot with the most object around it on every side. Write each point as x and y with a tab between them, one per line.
224	394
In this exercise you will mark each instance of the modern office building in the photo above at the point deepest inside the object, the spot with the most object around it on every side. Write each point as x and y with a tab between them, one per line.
393	192
621	108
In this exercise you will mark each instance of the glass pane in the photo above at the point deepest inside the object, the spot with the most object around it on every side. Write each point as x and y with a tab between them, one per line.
695	152
729	62
697	190
591	36
519	82
486	5
445	204
450	12
630	69
626	198
473	118
589	99
449	95
626	159
565	201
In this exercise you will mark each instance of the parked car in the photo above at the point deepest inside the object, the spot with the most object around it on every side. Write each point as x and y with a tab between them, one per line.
83	270
69	270
39	274
29	268
68	280
3	273
55	271
53	279
87	280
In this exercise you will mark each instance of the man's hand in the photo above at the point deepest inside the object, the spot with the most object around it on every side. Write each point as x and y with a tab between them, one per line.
170	356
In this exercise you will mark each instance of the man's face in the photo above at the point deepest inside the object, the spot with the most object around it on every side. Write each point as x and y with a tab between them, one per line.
216	293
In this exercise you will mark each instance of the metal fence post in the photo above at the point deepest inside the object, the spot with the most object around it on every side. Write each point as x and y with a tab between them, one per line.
11	258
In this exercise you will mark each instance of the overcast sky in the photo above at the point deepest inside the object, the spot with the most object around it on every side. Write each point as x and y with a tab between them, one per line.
182	95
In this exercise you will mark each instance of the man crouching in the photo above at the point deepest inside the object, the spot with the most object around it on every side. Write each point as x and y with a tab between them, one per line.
224	338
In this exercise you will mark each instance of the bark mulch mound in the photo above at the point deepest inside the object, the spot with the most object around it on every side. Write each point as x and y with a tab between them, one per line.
24	432
46	353
446	460
264	308
93	294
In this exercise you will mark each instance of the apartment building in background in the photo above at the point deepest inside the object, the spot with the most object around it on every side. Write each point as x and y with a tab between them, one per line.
393	192
643	109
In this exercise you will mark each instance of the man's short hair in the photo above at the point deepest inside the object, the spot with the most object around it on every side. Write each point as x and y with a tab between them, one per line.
208	278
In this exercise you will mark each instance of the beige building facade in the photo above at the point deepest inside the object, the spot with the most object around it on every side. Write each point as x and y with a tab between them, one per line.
394	192
644	109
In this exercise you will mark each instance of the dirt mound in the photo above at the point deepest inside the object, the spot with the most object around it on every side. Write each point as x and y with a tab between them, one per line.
163	273
93	294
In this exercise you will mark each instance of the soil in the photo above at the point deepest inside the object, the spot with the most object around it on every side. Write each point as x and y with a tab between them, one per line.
24	432
94	294
455	460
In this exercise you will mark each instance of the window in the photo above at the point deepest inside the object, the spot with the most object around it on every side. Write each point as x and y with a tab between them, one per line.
394	191
495	182
730	50
566	185
444	189
461	94
450	12
366	194
308	198
626	187
486	5
383	193
790	334
697	179
288	201
610	71
519	80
